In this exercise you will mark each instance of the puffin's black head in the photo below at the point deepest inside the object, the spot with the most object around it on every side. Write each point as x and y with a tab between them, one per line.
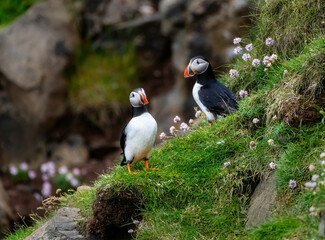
197	65
138	97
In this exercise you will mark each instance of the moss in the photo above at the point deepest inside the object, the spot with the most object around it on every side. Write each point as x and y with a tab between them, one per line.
101	78
11	9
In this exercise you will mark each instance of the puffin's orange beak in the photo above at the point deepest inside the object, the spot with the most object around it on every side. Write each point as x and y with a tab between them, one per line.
187	72
145	100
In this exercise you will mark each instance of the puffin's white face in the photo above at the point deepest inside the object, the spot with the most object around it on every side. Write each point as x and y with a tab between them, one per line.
138	97
197	65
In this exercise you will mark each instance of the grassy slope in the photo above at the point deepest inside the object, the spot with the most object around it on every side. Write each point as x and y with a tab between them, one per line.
194	196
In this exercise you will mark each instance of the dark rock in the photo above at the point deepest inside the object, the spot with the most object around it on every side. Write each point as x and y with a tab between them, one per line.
73	151
261	202
6	213
34	52
114	212
64	225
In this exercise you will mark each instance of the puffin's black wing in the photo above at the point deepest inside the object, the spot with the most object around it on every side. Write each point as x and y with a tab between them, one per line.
122	144
218	98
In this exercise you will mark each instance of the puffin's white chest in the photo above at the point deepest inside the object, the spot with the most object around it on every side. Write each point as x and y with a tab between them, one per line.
140	136
195	93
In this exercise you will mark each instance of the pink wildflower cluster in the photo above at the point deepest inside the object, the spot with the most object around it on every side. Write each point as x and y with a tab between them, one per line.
255	120
267	61
184	127
252	145
269	42
162	136
226	164
243	93
237	40
48	173
246	56
272	165
256	62
238	50
317	182
292	183
233	73
198	113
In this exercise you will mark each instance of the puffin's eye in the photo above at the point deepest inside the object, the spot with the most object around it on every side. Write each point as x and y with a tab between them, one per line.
132	95
197	61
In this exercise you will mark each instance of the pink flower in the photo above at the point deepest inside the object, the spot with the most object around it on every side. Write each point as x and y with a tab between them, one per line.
313	211
162	136
249	47
270	142
267	61
69	177
243	94
184	126
311	185
198	113
256	62
136	222
274	117
246	56
269	42
322	155
272	165
233	73
130	231
13	170
49	168
311	167
74	182
237	40
176	119
314	177
76	171
45	177
292	183
226	164
191	121
274	57
46	189
252	145
24	166
285	72
32	174
172	130
63	170
256	120
237	50
266	69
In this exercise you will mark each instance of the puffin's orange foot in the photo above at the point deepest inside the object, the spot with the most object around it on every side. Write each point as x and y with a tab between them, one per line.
210	124
155	169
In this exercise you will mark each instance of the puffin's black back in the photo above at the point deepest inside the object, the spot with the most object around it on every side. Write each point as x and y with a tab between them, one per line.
214	95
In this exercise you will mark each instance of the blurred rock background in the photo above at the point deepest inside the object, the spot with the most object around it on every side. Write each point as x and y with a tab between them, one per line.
66	70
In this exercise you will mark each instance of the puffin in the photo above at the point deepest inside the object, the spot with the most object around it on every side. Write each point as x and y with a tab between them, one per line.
139	135
214	99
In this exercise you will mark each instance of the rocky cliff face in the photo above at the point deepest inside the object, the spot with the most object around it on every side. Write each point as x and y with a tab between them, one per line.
36	49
